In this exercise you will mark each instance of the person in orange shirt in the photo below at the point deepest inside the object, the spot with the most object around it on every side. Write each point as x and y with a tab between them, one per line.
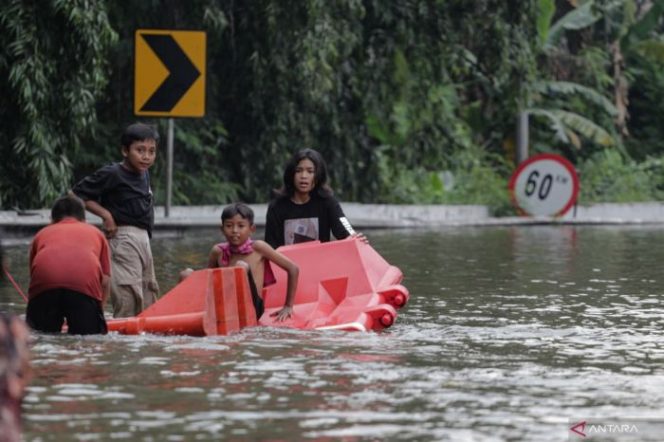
69	273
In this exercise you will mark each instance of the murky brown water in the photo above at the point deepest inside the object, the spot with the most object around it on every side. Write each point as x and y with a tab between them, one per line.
510	334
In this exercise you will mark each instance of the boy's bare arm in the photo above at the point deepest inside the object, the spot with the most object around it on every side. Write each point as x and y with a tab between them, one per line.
213	258
267	252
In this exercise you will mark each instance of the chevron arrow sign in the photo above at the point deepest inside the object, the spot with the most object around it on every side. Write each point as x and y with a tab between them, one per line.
169	73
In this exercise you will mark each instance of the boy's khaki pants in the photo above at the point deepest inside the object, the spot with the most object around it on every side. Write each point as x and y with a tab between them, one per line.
133	283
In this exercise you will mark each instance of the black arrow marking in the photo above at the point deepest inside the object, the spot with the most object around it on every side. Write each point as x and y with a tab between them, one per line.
181	73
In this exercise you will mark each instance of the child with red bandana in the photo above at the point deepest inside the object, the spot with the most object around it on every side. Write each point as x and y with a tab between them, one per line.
237	225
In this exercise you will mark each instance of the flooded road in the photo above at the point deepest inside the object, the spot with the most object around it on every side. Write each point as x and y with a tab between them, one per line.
511	333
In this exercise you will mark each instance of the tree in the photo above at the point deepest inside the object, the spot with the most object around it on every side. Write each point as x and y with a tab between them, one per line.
556	99
53	71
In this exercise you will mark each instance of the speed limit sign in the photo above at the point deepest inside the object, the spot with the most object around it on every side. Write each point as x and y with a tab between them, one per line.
544	184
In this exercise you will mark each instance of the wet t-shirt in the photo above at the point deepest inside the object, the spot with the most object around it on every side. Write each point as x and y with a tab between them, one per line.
290	223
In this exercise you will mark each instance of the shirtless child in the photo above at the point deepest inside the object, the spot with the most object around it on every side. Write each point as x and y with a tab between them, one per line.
237	225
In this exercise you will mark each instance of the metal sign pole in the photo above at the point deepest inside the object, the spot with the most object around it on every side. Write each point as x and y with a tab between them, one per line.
522	140
169	81
169	168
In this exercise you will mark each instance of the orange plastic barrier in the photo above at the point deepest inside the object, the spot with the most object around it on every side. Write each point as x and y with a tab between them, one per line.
343	285
209	302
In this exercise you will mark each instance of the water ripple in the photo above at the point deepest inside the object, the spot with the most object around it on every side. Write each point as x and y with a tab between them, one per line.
510	334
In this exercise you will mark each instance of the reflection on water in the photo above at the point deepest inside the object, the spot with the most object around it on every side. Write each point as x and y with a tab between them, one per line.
510	334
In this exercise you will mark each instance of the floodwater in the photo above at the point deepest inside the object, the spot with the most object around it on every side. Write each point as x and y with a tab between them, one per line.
511	333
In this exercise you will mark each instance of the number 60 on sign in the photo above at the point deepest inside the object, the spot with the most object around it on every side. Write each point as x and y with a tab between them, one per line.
544	185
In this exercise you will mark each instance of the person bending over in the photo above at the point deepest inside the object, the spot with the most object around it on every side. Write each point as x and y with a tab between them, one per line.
69	273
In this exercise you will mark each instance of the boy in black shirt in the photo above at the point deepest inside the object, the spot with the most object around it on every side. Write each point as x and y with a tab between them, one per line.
121	196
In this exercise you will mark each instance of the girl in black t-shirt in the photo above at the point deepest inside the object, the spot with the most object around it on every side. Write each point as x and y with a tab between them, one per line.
305	208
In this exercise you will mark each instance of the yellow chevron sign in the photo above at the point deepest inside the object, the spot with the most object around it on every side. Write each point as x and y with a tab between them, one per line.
169	73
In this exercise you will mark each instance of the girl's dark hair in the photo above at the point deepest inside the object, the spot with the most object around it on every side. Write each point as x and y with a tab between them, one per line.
138	132
238	209
68	205
321	187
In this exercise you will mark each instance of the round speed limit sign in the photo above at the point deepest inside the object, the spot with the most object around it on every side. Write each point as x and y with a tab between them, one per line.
545	185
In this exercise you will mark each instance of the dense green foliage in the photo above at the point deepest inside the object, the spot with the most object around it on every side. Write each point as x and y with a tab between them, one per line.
410	101
52	72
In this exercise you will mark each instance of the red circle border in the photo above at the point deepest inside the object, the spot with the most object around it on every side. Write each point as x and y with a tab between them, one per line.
553	157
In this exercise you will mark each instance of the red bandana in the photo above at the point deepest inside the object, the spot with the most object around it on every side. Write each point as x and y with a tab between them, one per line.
228	250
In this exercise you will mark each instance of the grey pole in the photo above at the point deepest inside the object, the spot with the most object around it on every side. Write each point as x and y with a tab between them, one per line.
522	137
169	168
